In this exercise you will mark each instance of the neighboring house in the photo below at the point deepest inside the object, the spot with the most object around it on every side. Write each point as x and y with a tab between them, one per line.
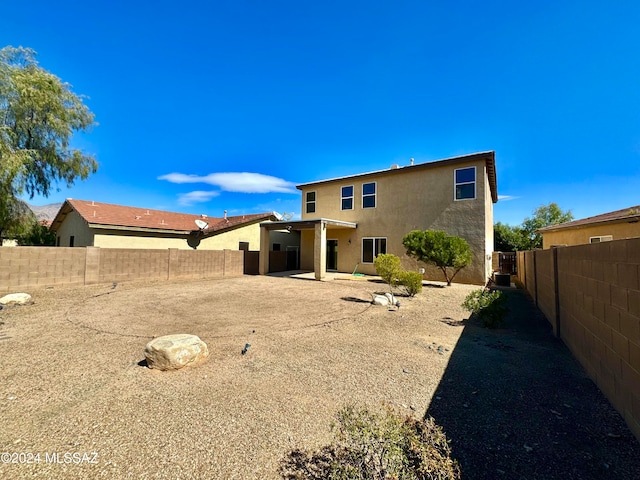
616	225
347	221
81	223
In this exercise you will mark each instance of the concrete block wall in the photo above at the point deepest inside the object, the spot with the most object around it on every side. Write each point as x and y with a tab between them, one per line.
546	286
596	304
119	264
40	267
34	267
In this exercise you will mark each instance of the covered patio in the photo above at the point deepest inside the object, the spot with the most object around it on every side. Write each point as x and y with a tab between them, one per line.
319	226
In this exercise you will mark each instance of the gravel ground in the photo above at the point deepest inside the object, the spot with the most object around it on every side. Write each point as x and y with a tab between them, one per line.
73	381
516	405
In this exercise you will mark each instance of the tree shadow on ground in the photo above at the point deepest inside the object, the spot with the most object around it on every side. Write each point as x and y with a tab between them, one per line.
433	285
515	404
354	299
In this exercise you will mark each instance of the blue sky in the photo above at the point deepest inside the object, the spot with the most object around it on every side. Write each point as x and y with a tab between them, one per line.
189	94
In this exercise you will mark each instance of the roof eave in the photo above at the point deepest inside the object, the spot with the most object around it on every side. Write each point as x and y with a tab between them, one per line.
488	156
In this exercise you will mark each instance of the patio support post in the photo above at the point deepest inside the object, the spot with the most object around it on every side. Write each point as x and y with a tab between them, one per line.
263	264
320	250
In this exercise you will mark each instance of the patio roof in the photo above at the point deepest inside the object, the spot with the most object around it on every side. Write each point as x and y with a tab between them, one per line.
307	224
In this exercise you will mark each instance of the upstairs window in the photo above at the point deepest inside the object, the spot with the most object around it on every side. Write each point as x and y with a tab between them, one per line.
347	198
372	247
311	202
369	195
465	179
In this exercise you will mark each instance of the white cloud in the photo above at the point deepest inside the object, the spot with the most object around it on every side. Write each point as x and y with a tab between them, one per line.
506	198
243	182
197	196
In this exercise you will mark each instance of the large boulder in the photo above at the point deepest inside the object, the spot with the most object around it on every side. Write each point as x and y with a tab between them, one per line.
172	352
15	299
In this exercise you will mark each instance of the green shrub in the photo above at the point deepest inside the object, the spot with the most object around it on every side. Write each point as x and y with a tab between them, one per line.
412	282
388	268
375	446
488	306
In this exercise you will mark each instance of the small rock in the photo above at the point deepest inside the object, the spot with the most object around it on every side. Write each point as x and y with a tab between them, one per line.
413	407
381	300
15	299
404	370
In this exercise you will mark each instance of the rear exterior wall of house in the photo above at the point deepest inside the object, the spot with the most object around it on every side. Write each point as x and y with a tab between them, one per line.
388	205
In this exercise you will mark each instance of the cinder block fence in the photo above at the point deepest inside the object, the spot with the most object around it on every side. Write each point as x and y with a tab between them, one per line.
33	267
591	296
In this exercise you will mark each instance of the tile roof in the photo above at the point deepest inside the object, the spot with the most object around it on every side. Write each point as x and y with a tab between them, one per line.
631	214
135	218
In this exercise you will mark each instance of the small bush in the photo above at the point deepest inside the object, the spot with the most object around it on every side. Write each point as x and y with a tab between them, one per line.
412	282
375	446
487	305
388	267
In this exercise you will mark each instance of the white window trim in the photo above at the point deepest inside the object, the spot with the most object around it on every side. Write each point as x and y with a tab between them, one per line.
375	195
475	182
374	248
307	202
352	197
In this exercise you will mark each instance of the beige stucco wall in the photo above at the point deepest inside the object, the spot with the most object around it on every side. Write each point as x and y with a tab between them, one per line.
581	235
115	239
285	239
75	226
231	239
227	240
488	228
414	199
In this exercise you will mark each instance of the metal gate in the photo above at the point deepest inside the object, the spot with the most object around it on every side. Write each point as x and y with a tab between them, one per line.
508	263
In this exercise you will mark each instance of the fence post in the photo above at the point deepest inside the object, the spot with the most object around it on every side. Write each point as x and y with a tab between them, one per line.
171	262
92	265
556	292
535	275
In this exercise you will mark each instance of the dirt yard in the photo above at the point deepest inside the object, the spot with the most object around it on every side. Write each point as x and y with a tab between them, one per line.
72	382
77	401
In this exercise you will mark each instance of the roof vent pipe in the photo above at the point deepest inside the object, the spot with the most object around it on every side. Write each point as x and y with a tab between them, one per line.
225	214
412	161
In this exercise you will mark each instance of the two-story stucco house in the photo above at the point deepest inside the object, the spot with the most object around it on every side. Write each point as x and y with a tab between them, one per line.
347	221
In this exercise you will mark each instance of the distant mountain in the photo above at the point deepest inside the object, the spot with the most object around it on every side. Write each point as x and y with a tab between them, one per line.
46	212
